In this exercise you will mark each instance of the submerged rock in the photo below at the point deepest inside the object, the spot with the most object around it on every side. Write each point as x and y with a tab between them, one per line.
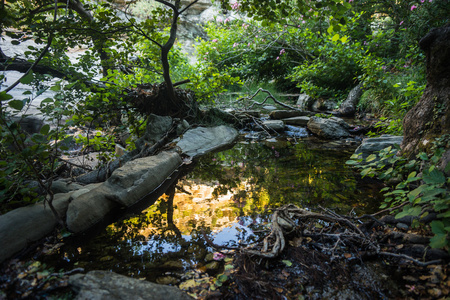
283	114
104	285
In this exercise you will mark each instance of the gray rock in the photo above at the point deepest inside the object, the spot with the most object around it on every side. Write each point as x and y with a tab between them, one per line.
333	128
141	176
202	140
104	285
374	145
300	121
305	102
348	107
28	224
29	124
283	114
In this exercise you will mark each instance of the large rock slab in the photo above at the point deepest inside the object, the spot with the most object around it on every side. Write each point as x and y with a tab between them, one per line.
126	186
141	176
374	145
28	224
332	128
104	285
201	140
299	121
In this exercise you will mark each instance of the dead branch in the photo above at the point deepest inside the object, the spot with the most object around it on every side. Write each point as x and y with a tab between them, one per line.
269	96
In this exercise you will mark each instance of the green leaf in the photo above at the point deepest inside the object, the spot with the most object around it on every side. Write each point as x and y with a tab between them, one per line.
438	227
371	157
288	263
335	37
434	177
438	241
28	78
16	104
409	211
45	129
4	96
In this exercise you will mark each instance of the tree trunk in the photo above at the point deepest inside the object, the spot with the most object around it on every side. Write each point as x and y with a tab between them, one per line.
430	118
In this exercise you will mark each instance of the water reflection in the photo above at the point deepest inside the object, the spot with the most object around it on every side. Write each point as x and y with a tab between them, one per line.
228	194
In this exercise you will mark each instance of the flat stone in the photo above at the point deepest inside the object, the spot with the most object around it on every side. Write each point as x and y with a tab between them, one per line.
299	121
105	285
201	140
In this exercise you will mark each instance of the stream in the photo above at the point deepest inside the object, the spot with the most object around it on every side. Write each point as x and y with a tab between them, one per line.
229	195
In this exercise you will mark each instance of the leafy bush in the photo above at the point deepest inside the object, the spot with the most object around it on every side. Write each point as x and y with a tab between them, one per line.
419	189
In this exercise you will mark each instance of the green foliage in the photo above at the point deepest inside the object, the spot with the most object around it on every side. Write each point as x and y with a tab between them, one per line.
420	188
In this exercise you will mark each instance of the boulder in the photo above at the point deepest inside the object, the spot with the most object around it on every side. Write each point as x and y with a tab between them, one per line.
62	186
105	285
333	128
283	114
201	140
299	121
348	107
305	102
28	224
276	125
374	145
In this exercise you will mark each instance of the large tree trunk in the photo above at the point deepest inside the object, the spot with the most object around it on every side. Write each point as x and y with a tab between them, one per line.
430	118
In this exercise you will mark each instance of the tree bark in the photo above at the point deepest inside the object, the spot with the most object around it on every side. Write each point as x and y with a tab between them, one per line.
430	118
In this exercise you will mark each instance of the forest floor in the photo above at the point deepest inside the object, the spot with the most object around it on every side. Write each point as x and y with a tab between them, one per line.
313	265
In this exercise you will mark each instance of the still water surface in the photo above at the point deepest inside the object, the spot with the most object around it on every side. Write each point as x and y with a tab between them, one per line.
228	194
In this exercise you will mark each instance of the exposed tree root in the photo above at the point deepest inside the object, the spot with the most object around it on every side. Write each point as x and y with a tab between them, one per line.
328	232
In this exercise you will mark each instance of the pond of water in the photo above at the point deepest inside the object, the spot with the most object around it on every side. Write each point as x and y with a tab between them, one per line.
229	194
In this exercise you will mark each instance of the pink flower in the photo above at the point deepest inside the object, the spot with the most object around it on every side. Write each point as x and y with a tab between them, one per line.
401	23
350	1
214	40
235	44
430	1
282	51
235	5
278	57
218	256
248	45
303	22
422	1
413	7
